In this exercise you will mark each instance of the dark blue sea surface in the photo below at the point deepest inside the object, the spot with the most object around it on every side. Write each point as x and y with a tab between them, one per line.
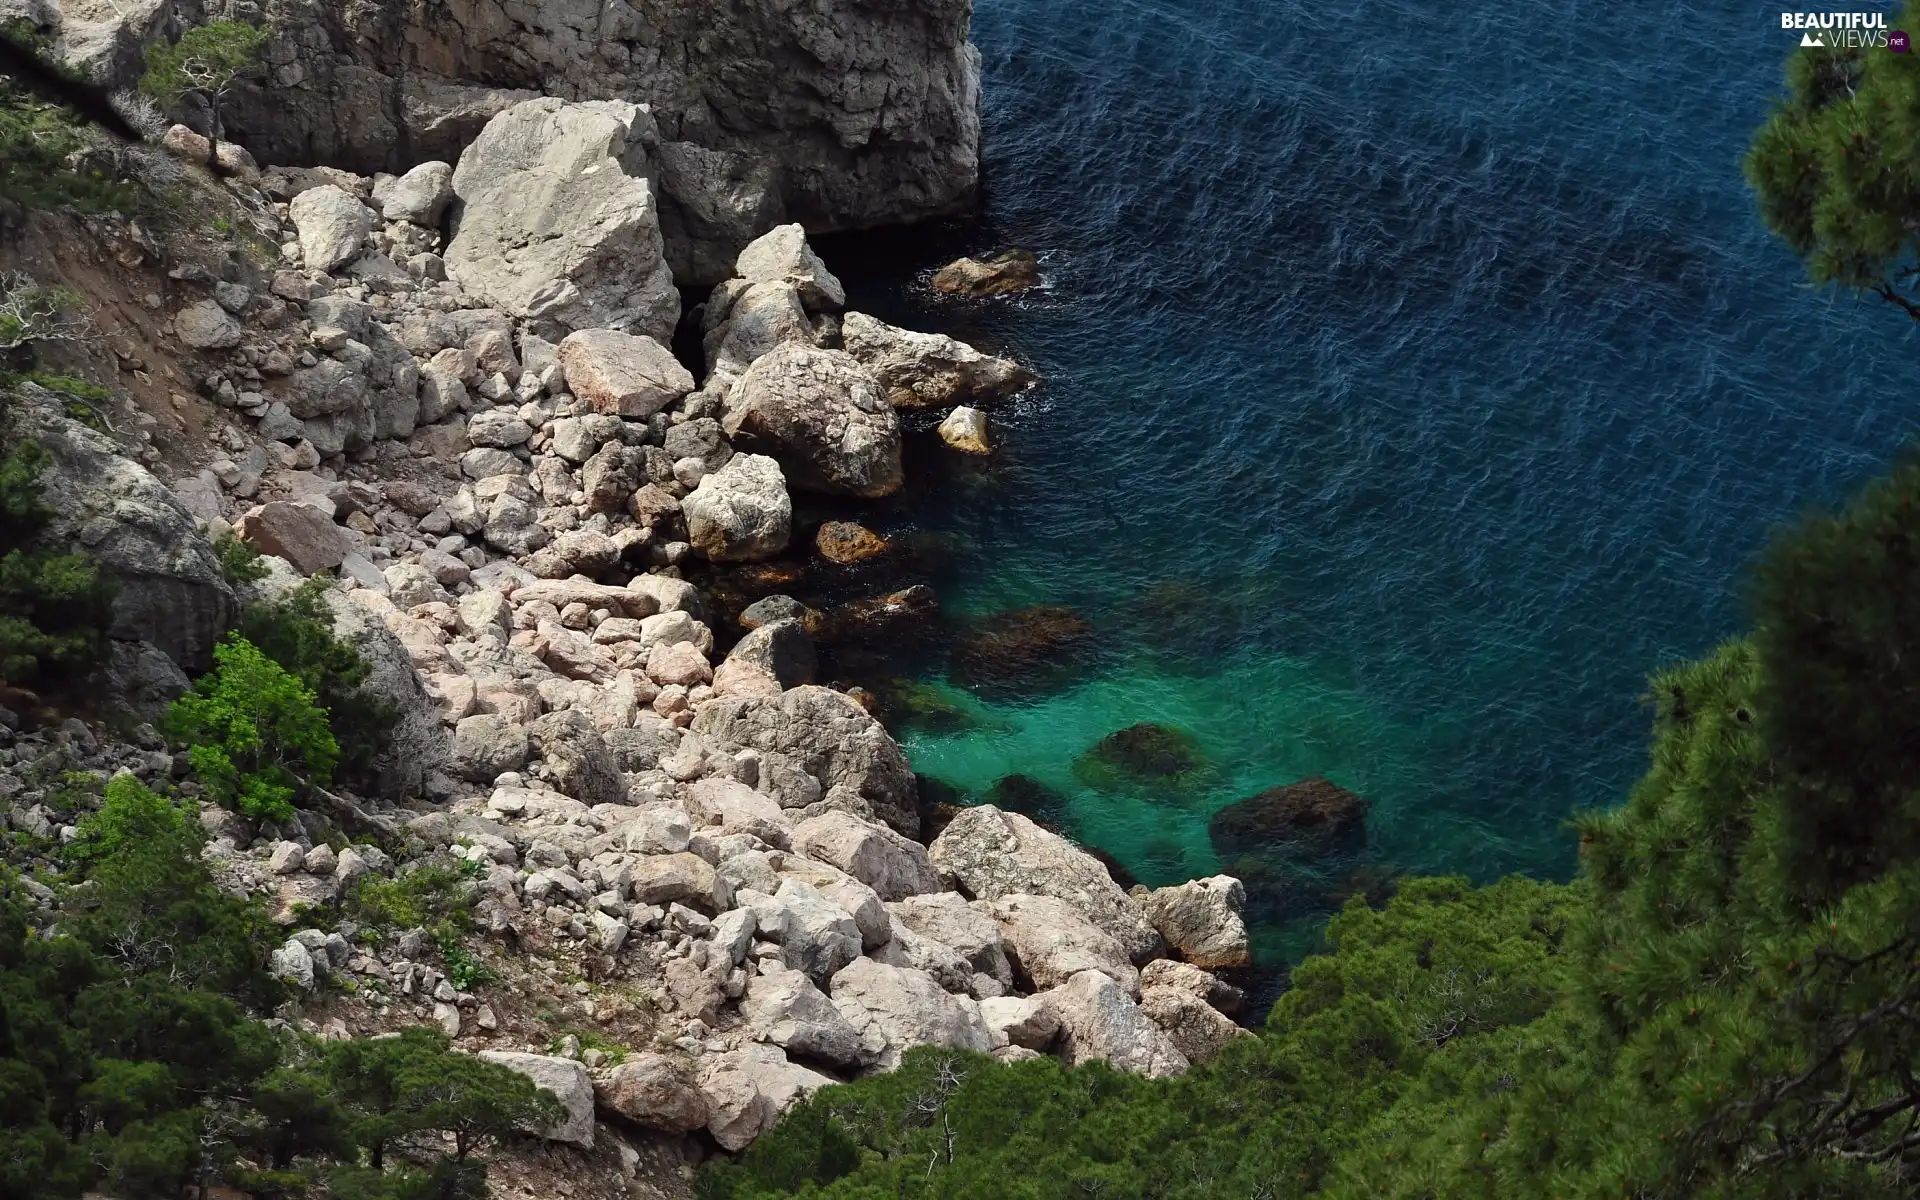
1418	377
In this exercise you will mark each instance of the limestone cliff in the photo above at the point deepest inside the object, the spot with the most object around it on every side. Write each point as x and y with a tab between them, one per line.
838	114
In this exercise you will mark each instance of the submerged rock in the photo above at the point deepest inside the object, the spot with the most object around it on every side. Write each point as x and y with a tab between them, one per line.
1312	812
1156	762
1024	648
1030	798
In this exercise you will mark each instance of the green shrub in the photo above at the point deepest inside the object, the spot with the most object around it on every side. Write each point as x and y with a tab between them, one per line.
39	143
205	62
254	733
297	633
432	894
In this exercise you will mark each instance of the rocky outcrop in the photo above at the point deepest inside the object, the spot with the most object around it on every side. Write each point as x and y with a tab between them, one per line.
570	1084
1098	1020
1201	920
823	416
558	221
814	742
658	1091
740	513
999	274
929	370
171	592
895	1009
993	854
965	429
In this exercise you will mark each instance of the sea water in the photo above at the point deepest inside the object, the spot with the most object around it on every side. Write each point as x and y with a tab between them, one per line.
1418	377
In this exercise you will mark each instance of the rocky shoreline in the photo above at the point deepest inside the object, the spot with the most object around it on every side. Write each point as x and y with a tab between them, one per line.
456	392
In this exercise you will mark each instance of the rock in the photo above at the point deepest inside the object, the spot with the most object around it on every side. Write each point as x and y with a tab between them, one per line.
579	438
1022	1021
683	878
742	328
577	758
576	552
610	477
657	1091
500	428
891	865
1201	920
902	947
420	196
141	678
712	204
824	734
727	806
484	745
1194	1028
1099	1020
769	609
287	859
333	226
749	1088
781	254
898	1009
970	929
1020	648
965	430
558	221
570	1084
929	370
293	962
618	374
171	592
657	830
780	648
410	584
740	513
295	532
1000	274
994	854
785	1008
1312	811
678	663
1154	762
846	543
206	326
1048	942
1165	972
815	935
823	416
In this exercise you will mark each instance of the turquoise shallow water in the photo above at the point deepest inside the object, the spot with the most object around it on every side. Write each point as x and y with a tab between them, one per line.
1435	350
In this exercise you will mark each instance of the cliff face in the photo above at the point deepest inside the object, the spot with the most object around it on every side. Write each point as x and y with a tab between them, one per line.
845	113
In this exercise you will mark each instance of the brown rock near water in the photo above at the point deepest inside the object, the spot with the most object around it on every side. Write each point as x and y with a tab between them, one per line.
846	542
1313	812
1158	762
997	275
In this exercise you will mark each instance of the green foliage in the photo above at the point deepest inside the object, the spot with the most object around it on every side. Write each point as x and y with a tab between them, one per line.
55	607
256	738
39	145
433	894
133	1060
297	633
1837	167
206	60
239	562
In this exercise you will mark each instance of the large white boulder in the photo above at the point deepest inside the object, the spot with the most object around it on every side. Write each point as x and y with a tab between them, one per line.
558	222
991	853
1099	1020
567	1080
896	1009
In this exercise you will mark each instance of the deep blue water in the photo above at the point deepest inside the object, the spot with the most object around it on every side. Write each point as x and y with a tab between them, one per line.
1438	345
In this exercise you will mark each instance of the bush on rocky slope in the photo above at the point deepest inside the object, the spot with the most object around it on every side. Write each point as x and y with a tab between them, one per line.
132	1058
256	738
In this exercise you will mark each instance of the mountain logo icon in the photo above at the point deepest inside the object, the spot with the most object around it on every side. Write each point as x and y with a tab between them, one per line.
1813	39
